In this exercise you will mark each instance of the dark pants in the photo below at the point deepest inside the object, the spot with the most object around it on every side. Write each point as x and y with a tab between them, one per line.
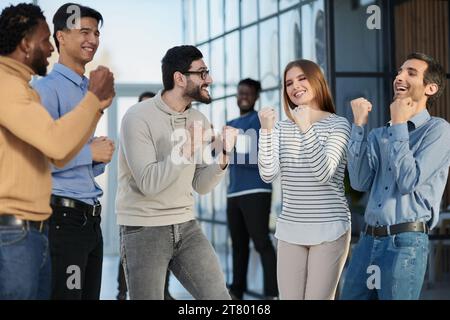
248	218
123	285
76	249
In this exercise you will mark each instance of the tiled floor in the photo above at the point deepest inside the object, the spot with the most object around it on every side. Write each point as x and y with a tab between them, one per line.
440	290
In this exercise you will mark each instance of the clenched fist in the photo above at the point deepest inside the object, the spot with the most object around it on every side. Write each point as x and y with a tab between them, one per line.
402	109
361	108
101	83
267	117
302	116
102	149
229	137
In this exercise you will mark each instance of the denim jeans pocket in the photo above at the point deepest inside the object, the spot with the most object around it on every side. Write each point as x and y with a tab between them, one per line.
12	235
409	240
127	230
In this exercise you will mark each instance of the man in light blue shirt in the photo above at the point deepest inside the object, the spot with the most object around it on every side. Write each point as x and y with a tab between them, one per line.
404	165
76	243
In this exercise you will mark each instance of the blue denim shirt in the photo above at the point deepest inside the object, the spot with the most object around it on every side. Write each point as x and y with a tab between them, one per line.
61	91
405	168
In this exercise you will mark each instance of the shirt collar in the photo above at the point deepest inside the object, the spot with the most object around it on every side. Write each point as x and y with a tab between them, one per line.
416	121
70	74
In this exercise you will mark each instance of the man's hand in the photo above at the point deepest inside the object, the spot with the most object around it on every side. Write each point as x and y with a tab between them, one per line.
361	108
267	117
194	142
302	117
102	149
402	109
101	84
229	137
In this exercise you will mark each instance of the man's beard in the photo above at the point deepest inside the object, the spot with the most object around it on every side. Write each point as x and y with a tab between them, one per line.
195	93
39	63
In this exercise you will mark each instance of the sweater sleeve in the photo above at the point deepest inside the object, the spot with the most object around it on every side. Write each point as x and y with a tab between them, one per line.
324	159
30	121
268	155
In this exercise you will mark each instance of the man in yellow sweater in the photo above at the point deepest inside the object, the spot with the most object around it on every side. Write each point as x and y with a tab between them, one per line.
29	140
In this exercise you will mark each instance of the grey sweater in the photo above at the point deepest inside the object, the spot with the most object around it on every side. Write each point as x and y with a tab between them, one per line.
153	189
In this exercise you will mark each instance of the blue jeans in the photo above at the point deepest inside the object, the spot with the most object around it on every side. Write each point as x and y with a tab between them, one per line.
400	260
147	253
25	265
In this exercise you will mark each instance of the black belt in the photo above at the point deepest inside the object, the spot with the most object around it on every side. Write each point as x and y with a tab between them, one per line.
383	231
12	221
90	210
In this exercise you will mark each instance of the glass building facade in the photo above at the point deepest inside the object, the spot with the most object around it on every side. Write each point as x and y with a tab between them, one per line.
251	38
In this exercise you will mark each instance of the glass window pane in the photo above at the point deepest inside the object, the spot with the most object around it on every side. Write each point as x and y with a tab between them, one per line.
290	38
218	114
372	89
232	62
205	206
189	16
313	33
231	14
220	201
269	56
353	36
123	104
232	109
216	16
250	53
270	99
287	3
205	51
249	11
217	68
267	7
202	32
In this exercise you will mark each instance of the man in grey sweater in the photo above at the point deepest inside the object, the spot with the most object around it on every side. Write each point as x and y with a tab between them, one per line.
157	176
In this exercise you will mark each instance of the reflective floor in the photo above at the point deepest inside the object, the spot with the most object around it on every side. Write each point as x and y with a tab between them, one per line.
436	291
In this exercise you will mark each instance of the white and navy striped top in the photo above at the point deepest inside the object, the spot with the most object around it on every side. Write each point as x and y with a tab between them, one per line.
312	165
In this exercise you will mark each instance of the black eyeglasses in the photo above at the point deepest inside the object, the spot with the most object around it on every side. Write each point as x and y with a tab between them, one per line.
203	74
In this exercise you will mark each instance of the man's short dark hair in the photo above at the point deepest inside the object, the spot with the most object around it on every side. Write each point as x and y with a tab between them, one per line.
146	94
178	59
62	17
17	22
251	83
434	73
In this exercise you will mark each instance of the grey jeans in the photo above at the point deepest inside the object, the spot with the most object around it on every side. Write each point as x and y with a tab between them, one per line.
147	252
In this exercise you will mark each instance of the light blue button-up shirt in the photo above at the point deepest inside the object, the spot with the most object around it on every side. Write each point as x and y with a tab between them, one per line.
405	168
61	91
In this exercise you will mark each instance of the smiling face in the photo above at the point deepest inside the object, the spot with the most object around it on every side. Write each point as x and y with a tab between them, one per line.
197	88
298	88
80	45
246	98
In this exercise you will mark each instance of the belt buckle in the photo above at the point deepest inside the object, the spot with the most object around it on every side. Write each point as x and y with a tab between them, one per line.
94	209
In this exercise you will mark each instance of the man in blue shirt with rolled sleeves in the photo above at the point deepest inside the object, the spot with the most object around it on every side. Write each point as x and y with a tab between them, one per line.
75	237
404	166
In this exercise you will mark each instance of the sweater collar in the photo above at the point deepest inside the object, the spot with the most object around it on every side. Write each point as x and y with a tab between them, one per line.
16	68
166	109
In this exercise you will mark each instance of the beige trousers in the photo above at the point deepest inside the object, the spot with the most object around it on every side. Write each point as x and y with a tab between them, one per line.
311	272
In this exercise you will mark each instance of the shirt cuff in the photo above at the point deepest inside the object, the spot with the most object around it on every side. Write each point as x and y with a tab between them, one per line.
398	133
357	133
265	134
